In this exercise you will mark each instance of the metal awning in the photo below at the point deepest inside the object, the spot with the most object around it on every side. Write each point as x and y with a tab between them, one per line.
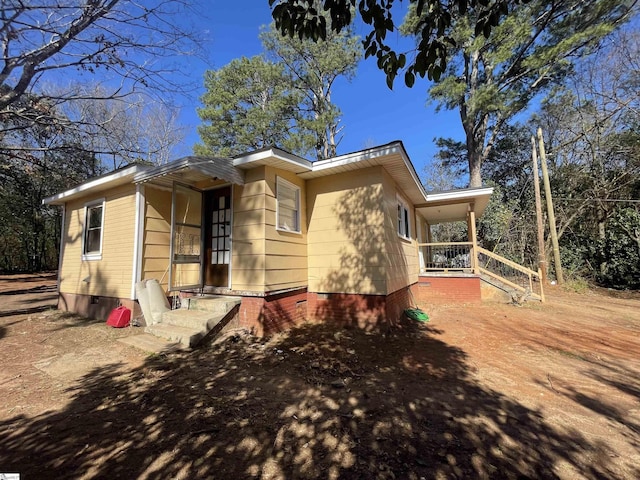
192	169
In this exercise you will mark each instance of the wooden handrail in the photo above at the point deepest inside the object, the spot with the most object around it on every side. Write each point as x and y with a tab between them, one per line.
508	262
443	244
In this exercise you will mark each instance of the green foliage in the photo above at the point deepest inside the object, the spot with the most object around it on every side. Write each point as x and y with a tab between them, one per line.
313	68
249	104
619	252
490	80
433	25
280	99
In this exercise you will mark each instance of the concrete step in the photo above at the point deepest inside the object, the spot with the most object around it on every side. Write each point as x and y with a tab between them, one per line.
189	337
196	319
152	344
211	303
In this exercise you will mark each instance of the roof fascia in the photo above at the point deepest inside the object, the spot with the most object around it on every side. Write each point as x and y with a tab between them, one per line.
453	195
272	153
59	198
396	147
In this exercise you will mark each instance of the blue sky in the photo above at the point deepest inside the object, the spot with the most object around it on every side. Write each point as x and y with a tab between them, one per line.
372	114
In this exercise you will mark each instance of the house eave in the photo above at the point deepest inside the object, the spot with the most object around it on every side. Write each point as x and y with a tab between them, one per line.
274	157
95	185
454	205
392	156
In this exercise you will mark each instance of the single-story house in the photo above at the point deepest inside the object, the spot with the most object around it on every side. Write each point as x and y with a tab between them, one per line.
347	238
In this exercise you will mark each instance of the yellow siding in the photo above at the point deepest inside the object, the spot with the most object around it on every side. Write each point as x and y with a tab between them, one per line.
346	236
402	255
248	245
112	274
157	235
286	252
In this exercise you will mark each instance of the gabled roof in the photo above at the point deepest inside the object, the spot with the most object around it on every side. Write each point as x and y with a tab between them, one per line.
392	156
435	207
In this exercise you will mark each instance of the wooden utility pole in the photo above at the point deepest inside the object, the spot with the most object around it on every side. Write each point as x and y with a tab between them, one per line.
542	257
550	212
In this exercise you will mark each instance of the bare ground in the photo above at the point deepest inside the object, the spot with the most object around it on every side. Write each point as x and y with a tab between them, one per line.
489	391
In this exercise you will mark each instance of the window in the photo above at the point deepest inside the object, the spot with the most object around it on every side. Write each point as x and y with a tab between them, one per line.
92	239
403	220
288	206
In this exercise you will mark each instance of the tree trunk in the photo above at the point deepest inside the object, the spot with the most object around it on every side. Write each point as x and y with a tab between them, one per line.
474	156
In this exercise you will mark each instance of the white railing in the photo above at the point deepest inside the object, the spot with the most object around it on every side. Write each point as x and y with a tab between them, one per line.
447	256
465	257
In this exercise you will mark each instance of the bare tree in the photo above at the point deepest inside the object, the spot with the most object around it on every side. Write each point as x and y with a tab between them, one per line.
125	131
130	46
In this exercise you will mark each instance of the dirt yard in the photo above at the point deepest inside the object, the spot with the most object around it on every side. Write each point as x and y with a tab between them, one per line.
490	391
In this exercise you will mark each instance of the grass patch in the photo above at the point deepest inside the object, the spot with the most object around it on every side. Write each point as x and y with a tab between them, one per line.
569	354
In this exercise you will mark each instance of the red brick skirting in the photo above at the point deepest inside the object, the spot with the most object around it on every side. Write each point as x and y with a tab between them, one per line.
459	289
273	313
98	307
278	312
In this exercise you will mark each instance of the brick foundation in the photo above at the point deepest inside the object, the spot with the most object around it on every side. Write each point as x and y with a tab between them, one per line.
97	307
273	313
362	311
450	289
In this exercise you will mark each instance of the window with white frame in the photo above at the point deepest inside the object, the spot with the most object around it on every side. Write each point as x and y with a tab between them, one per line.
93	227
404	229
288	205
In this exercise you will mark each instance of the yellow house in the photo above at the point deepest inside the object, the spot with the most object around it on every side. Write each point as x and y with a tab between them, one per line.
346	238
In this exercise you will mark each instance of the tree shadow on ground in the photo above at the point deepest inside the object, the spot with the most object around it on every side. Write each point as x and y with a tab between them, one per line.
315	402
606	373
32	290
28	310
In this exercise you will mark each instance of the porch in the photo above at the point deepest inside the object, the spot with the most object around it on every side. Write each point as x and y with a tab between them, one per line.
463	268
464	260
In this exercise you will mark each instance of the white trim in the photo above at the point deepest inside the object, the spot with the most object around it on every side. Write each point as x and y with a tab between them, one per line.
406	221
459	194
91	184
356	157
272	153
92	256
62	243
138	238
298	193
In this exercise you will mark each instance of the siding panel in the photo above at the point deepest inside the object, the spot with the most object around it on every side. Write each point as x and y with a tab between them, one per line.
346	234
110	275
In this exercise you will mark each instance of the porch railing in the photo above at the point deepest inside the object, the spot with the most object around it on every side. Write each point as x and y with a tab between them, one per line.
520	278
464	257
447	256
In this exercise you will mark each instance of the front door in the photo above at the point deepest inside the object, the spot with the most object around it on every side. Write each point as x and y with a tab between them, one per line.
218	237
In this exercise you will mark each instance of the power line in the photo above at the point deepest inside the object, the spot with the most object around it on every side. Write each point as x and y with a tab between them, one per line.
597	200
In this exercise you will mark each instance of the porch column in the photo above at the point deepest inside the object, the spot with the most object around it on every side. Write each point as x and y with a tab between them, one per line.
471	229
427	251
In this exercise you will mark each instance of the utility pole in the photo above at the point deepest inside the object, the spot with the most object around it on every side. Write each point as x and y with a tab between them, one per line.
542	257
550	212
